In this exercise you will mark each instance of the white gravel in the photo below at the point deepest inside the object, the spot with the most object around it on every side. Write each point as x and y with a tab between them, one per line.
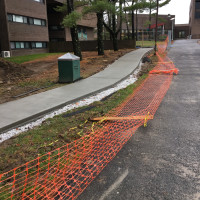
84	102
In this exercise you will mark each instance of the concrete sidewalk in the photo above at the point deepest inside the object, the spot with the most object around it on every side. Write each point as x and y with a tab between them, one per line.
24	110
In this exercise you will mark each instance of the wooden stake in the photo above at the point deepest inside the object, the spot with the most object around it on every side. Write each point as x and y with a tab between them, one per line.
123	118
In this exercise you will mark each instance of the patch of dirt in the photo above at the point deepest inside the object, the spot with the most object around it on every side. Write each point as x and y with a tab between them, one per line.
11	72
148	64
18	81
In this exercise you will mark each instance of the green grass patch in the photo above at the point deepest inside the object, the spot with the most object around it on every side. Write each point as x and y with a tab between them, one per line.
56	132
26	58
36	84
145	43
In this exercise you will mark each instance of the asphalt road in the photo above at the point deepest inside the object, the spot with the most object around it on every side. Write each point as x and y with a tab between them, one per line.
161	161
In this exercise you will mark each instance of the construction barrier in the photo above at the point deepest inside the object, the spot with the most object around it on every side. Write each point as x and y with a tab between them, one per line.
65	172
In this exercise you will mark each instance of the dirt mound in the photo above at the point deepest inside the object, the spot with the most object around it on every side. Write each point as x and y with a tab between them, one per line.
13	72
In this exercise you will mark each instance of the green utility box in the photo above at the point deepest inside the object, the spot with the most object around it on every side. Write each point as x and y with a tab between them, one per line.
68	68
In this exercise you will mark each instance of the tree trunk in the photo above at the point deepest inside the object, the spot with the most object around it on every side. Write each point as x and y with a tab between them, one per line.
133	22
114	34
127	27
100	33
115	42
155	48
150	21
109	23
75	42
74	32
120	23
136	25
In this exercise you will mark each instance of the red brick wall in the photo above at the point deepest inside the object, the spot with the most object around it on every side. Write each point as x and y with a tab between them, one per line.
194	23
21	52
181	28
27	8
25	32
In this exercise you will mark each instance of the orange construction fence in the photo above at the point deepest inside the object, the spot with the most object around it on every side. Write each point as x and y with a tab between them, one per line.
65	172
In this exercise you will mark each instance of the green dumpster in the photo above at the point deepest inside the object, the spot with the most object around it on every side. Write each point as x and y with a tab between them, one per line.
68	68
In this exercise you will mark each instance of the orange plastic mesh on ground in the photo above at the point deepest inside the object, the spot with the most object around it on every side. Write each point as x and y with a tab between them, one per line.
64	173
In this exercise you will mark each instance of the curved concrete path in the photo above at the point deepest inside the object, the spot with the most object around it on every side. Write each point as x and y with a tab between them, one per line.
162	161
26	109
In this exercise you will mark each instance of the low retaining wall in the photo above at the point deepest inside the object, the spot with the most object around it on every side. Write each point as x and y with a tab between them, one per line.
64	46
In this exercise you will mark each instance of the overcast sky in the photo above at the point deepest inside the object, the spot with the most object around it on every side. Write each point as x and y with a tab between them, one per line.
180	8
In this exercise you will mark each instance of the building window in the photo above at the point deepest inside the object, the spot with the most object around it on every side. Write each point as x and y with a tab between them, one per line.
56	28
12	45
197	14
37	22
17	18
10	18
181	34
43	22
28	45
38	45
197	4
26	20
30	20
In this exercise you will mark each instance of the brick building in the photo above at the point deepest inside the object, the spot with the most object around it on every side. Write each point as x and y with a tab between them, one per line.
194	21
142	23
181	31
28	25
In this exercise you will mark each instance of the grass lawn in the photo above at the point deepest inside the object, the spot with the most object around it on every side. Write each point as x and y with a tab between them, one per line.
145	43
56	132
26	58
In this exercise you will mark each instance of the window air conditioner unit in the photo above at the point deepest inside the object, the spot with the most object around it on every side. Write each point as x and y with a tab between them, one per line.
5	54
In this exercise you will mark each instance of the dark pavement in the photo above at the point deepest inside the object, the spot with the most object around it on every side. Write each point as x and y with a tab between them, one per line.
161	161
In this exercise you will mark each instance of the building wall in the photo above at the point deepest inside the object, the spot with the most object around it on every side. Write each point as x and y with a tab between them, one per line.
24	32
90	33
89	20
55	19
20	32
21	52
194	22
17	32
27	8
143	18
180	29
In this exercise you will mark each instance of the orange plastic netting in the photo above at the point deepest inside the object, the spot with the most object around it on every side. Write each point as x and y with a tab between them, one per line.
65	172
